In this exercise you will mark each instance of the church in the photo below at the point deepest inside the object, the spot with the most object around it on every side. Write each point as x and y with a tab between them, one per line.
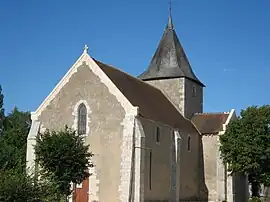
150	137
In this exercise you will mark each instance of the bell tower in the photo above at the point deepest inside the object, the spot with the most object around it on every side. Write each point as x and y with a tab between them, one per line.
171	72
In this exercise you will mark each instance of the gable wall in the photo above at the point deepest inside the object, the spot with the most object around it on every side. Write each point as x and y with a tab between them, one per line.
105	130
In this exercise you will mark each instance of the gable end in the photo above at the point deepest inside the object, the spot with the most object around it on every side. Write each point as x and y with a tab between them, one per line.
85	58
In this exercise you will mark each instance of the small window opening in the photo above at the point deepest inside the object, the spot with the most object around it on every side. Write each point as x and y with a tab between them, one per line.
158	135
150	170
194	91
188	144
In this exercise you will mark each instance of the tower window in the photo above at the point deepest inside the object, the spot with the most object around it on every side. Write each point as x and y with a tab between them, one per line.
194	91
82	119
188	144
158	135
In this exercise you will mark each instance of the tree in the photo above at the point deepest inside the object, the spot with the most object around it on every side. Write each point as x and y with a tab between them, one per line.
2	115
18	187
16	127
245	146
63	158
15	184
8	156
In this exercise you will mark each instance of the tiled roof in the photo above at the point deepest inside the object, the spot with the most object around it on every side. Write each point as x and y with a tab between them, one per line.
209	123
151	101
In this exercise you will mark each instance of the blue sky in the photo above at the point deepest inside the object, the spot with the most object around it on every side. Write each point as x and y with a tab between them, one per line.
226	41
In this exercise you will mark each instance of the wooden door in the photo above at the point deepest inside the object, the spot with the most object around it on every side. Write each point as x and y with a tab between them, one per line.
80	193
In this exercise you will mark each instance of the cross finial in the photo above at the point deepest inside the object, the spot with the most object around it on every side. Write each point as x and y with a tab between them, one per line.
85	49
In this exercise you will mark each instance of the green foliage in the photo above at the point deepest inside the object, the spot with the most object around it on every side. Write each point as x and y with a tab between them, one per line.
8	156
15	185
63	158
2	115
245	146
255	199
51	192
13	141
16	127
18	187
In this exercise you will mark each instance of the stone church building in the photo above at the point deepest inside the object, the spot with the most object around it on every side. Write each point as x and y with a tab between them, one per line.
151	139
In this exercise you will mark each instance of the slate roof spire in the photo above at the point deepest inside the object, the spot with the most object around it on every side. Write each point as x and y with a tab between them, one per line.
170	23
169	60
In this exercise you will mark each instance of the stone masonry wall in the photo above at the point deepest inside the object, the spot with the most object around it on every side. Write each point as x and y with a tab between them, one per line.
162	164
193	103
210	164
159	172
189	167
174	89
179	91
105	129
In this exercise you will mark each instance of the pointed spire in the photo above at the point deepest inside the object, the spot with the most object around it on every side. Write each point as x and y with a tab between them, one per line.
169	60
170	23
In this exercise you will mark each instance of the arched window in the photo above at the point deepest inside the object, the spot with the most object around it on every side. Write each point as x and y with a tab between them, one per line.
188	144
82	119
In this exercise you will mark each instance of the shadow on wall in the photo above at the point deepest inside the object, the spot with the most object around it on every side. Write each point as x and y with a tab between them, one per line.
203	190
240	187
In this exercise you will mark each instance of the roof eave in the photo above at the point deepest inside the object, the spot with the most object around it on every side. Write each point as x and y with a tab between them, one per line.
168	77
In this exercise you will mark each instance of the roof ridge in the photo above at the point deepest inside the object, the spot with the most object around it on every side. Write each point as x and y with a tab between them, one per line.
137	79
